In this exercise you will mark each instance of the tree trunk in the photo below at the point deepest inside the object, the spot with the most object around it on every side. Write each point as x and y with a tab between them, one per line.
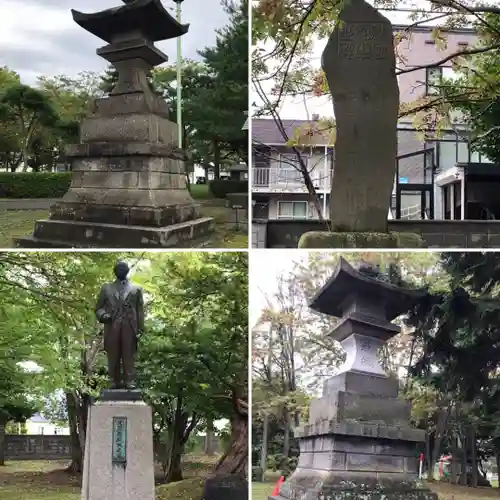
210	438
174	470
497	457
286	438
216	159
441	422
178	435
428	457
76	465
463	472
473	450
2	443
235	459
263	450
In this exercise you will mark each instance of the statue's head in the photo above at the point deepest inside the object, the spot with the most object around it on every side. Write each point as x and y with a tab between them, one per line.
121	270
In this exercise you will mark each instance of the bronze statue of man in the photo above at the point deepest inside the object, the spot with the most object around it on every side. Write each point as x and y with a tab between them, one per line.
121	309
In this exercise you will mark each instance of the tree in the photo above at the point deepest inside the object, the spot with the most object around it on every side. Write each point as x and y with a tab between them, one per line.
457	322
48	301
475	91
214	95
29	109
212	286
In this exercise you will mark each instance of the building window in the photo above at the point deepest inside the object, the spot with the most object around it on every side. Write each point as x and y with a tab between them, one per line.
40	430
289	168
292	209
433	77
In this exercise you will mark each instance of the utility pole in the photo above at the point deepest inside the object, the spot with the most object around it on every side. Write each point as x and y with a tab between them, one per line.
179	76
265	423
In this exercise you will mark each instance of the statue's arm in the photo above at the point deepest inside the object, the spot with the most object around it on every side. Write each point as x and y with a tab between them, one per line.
100	310
140	311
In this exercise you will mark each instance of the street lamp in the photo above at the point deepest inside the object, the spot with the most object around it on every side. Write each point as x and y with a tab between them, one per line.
179	76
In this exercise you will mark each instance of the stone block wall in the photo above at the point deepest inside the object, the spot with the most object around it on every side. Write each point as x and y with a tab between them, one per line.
43	447
436	233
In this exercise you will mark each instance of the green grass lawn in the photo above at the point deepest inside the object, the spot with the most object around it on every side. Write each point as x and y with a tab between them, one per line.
261	491
200	191
17	223
46	480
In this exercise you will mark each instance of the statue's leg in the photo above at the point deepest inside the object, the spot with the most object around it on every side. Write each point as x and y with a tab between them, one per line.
128	357
113	352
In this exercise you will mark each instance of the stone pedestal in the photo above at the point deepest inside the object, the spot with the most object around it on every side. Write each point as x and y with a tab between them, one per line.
358	444
107	479
128	186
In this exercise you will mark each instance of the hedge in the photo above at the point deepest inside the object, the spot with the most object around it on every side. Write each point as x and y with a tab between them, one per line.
34	184
219	188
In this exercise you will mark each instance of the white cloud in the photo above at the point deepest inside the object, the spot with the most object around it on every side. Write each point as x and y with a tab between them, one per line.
39	37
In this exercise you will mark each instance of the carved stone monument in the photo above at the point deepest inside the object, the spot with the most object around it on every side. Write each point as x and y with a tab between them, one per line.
128	187
119	456
360	67
358	444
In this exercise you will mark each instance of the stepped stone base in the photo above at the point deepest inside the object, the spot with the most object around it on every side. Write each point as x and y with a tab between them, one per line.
356	461
70	234
308	484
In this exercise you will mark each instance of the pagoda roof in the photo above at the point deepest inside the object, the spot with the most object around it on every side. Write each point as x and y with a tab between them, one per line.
147	16
346	280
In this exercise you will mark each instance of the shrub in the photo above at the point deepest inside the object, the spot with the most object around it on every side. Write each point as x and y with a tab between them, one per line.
219	188
34	184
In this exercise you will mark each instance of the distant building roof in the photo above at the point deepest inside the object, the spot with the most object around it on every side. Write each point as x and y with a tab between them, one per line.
428	29
38	419
239	167
265	130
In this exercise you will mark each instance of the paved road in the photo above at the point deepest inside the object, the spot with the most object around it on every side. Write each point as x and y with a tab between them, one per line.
26	204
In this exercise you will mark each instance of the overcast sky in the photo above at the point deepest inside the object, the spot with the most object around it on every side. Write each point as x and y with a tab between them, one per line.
39	37
295	107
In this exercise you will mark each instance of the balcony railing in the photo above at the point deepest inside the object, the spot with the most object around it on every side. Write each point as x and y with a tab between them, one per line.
289	180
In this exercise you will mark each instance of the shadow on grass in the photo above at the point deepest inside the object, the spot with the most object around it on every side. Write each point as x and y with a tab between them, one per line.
48	480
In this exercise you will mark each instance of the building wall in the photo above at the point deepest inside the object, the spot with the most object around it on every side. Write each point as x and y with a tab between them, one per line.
45	428
410	205
418	50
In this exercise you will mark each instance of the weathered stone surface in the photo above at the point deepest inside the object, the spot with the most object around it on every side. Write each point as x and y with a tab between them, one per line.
120	395
326	239
225	487
318	484
359	64
354	428
145	127
70	234
360	383
105	480
342	406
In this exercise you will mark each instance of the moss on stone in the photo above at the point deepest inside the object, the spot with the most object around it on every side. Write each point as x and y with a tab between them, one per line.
325	239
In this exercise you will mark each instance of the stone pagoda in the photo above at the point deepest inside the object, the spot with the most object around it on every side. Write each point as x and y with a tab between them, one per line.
358	444
128	186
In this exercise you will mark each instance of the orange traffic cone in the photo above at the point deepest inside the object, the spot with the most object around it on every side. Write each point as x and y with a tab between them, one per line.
276	490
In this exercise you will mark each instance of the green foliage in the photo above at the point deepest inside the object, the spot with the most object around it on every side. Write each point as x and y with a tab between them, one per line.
109	79
34	184
214	95
221	187
475	92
